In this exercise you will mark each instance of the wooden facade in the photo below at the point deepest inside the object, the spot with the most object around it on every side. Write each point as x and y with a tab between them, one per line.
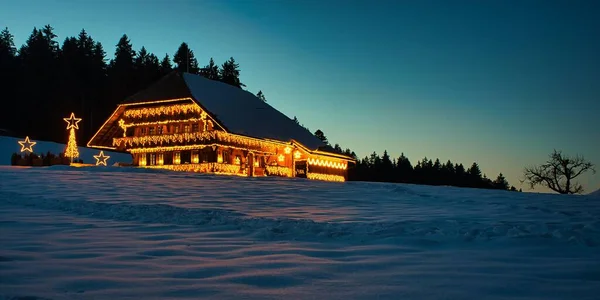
180	134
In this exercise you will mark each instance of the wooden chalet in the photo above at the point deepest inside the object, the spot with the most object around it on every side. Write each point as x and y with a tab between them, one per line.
185	122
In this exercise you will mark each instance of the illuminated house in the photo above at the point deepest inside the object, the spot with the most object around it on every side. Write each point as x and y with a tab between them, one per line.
185	122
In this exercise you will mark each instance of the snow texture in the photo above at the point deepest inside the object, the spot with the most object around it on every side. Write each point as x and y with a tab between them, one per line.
243	113
128	233
595	194
131	233
10	145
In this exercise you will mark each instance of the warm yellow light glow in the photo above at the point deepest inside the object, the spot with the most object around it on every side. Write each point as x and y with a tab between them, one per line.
195	157
297	154
71	150
142	161
281	158
237	160
176	158
154	123
188	147
325	177
220	157
287	150
160	159
256	164
101	159
27	145
206	136
72	121
279	171
123	126
327	163
168	110
215	168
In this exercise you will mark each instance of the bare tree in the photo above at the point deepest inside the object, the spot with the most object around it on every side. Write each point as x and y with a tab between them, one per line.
558	172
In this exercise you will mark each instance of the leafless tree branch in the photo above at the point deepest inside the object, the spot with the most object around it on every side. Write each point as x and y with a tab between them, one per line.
558	173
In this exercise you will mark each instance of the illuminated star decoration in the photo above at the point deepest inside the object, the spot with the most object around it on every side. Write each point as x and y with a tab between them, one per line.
72	121
26	145
101	158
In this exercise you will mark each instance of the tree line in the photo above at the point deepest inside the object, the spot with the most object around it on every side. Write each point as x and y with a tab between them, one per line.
383	168
44	81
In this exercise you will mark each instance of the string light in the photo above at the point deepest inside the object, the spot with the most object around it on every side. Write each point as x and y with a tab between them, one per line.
168	110
72	121
27	145
287	150
281	158
279	171
191	147
325	177
101	158
71	150
327	163
297	154
206	136
215	168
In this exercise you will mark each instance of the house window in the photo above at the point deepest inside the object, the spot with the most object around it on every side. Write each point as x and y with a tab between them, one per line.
176	158
195	127
151	131
143	131
159	130
152	159
161	159
195	159
176	128
226	157
142	161
238	160
186	128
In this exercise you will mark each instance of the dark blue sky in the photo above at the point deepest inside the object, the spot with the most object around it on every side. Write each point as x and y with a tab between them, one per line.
497	82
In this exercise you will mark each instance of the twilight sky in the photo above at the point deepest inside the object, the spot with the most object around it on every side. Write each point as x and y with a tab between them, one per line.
498	82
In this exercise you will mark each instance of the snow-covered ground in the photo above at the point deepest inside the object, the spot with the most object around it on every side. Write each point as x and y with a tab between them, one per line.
125	233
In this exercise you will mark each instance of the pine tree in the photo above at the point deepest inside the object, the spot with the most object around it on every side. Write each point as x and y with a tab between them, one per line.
185	59
501	182
165	65
321	136
230	73
211	71
71	150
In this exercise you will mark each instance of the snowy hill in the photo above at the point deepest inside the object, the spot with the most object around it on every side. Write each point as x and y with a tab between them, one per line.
129	233
10	145
595	194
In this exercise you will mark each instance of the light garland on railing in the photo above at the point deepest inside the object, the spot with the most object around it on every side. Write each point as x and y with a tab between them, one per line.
169	110
279	171
205	136
325	177
190	120
216	168
191	147
327	163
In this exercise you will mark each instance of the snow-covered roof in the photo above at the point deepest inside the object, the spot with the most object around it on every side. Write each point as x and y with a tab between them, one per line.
243	113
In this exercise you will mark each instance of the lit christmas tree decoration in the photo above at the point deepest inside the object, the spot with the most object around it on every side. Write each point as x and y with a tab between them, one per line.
101	158
26	145
72	151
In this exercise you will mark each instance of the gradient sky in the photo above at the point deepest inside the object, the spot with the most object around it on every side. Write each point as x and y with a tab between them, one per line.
501	83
